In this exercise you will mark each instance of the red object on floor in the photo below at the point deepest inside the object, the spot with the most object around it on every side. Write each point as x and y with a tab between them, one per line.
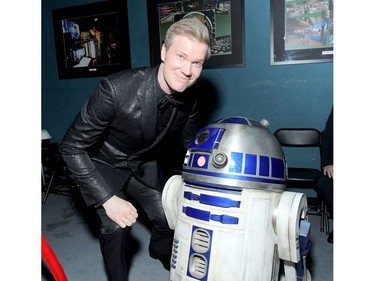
53	263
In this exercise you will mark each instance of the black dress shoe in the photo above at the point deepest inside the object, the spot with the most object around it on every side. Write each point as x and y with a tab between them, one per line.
330	237
165	260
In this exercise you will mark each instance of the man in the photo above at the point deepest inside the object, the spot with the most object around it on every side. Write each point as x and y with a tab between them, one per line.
324	186
122	143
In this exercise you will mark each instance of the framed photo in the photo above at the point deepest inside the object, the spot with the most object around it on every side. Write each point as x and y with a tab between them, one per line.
223	18
301	31
91	40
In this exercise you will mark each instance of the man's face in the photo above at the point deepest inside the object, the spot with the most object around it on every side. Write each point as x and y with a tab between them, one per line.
183	63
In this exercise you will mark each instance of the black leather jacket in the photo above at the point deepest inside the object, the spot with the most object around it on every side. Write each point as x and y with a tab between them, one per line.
118	120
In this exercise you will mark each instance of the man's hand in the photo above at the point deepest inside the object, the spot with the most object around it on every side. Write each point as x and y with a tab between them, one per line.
120	211
328	171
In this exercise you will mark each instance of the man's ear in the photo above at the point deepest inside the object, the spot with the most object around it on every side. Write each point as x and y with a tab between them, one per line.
163	52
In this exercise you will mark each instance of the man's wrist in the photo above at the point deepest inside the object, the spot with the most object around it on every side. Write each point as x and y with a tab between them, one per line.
102	201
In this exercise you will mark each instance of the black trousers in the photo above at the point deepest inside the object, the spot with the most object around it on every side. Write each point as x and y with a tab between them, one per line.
324	188
114	240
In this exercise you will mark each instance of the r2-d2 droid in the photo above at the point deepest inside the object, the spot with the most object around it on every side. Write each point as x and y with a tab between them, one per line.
231	216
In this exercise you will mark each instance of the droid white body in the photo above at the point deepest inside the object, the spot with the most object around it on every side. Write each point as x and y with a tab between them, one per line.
232	217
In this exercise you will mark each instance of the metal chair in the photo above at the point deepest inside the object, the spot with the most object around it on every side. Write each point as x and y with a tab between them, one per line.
303	141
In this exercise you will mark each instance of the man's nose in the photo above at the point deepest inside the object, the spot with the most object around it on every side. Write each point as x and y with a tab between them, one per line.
186	68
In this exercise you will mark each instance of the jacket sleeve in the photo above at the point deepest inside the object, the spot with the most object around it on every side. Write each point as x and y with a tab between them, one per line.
88	126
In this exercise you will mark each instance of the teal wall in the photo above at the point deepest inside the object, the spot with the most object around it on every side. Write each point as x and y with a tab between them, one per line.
298	95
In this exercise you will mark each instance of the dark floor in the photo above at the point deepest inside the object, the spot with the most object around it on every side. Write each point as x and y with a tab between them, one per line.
73	236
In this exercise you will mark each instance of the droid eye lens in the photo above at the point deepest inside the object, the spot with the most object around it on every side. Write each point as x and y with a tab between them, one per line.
203	137
220	160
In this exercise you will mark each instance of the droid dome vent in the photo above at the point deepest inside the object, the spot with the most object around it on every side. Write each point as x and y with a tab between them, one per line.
244	121
235	120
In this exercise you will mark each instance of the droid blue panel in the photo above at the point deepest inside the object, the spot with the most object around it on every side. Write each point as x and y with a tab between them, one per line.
235	161
278	168
199	160
241	121
207	139
235	120
250	164
264	166
200	253
207	216
217	201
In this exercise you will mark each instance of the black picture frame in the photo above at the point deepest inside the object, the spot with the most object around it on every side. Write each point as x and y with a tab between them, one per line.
92	40
301	31
225	19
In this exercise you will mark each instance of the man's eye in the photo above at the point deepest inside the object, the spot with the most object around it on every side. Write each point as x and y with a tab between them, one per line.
198	64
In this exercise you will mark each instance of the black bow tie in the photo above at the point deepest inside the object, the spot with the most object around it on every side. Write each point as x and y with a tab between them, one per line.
168	99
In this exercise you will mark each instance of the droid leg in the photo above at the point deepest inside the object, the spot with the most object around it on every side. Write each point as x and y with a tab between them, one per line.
299	271
305	246
292	230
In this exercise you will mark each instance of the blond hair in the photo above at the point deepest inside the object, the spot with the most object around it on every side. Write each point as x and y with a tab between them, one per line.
191	27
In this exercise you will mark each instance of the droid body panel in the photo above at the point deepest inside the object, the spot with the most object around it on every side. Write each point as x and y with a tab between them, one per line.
231	216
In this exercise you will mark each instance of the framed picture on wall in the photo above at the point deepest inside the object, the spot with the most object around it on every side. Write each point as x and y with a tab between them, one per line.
91	40
223	18
301	31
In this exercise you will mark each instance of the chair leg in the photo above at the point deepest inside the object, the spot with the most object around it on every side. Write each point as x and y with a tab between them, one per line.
326	214
43	177
322	216
75	192
48	188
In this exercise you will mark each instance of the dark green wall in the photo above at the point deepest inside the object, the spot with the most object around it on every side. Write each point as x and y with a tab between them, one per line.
289	95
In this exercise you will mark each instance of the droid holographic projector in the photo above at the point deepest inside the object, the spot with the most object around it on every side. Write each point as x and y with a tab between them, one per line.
232	218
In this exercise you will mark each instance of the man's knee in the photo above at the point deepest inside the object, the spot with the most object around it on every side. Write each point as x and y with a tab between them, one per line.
323	183
108	226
